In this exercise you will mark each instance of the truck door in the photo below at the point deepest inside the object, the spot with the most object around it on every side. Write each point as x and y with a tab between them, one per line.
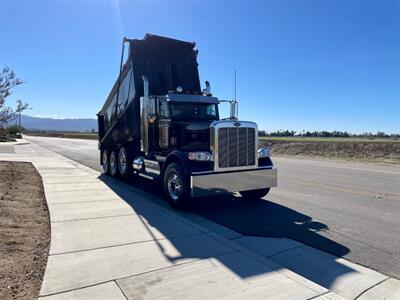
164	124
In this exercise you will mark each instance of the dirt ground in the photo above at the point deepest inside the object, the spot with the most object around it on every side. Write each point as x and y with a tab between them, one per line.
24	231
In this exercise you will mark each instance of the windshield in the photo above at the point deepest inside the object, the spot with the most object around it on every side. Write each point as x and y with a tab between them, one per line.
194	111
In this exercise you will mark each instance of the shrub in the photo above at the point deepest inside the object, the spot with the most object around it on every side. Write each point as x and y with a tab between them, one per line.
12	130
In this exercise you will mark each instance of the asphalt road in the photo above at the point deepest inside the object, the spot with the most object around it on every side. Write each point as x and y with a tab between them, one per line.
351	210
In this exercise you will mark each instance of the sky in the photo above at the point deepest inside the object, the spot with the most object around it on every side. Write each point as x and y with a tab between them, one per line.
301	65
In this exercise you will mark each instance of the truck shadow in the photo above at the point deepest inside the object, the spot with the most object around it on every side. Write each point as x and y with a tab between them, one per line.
266	219
252	218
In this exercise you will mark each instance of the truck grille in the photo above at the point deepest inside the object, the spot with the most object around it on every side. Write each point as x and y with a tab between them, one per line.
236	147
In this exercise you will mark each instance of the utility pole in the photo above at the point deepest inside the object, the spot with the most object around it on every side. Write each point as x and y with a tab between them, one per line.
20	126
20	108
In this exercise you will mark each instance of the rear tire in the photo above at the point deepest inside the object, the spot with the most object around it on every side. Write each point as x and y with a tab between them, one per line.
104	161
254	194
176	186
113	164
124	162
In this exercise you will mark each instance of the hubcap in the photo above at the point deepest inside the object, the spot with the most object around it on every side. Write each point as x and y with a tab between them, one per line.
122	162
112	163
174	186
105	162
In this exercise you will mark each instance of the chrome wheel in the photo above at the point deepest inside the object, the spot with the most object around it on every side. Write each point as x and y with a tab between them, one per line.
174	186
122	162
113	164
105	161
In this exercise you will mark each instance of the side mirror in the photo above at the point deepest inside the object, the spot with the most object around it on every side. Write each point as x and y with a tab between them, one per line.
234	104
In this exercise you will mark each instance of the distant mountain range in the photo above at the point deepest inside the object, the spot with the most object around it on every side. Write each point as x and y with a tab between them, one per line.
29	122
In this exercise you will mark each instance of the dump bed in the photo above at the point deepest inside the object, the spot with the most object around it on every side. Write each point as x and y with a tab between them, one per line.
167	63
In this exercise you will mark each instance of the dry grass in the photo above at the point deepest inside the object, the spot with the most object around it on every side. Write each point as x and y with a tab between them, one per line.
300	139
68	135
373	151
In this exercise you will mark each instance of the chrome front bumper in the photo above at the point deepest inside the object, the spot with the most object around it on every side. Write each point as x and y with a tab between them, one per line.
211	183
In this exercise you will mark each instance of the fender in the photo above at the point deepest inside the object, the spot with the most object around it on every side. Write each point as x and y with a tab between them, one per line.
177	156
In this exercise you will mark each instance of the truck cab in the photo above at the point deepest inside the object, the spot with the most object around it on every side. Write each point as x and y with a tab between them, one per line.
178	122
171	131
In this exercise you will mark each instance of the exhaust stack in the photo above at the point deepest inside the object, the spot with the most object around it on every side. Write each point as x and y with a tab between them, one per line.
145	86
234	110
207	90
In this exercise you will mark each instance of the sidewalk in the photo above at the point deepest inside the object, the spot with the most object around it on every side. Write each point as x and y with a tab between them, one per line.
108	241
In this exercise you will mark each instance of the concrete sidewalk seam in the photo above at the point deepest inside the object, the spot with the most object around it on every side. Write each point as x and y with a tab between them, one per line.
75	289
317	296
87	201
175	265
74	182
95	218
286	250
262	259
84	201
122	291
77	190
174	213
370	288
124	244
253	255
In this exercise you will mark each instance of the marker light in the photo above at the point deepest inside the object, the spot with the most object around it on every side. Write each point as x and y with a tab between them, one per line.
264	152
179	89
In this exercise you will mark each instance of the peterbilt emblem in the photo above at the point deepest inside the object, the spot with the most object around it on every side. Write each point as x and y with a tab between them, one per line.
237	124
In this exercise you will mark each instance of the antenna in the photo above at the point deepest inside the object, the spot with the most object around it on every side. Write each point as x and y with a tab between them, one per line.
234	98
233	103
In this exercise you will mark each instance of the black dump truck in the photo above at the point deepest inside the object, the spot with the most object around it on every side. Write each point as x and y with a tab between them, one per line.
158	123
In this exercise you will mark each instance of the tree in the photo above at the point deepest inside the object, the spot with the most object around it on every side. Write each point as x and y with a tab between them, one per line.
20	108
8	81
381	134
6	115
262	133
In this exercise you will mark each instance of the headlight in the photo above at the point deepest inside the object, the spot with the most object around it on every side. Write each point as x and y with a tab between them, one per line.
264	152
200	156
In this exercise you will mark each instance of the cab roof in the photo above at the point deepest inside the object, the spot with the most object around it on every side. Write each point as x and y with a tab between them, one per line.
191	98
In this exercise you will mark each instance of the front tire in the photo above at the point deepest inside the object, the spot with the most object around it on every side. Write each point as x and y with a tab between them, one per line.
113	164
176	186
254	194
